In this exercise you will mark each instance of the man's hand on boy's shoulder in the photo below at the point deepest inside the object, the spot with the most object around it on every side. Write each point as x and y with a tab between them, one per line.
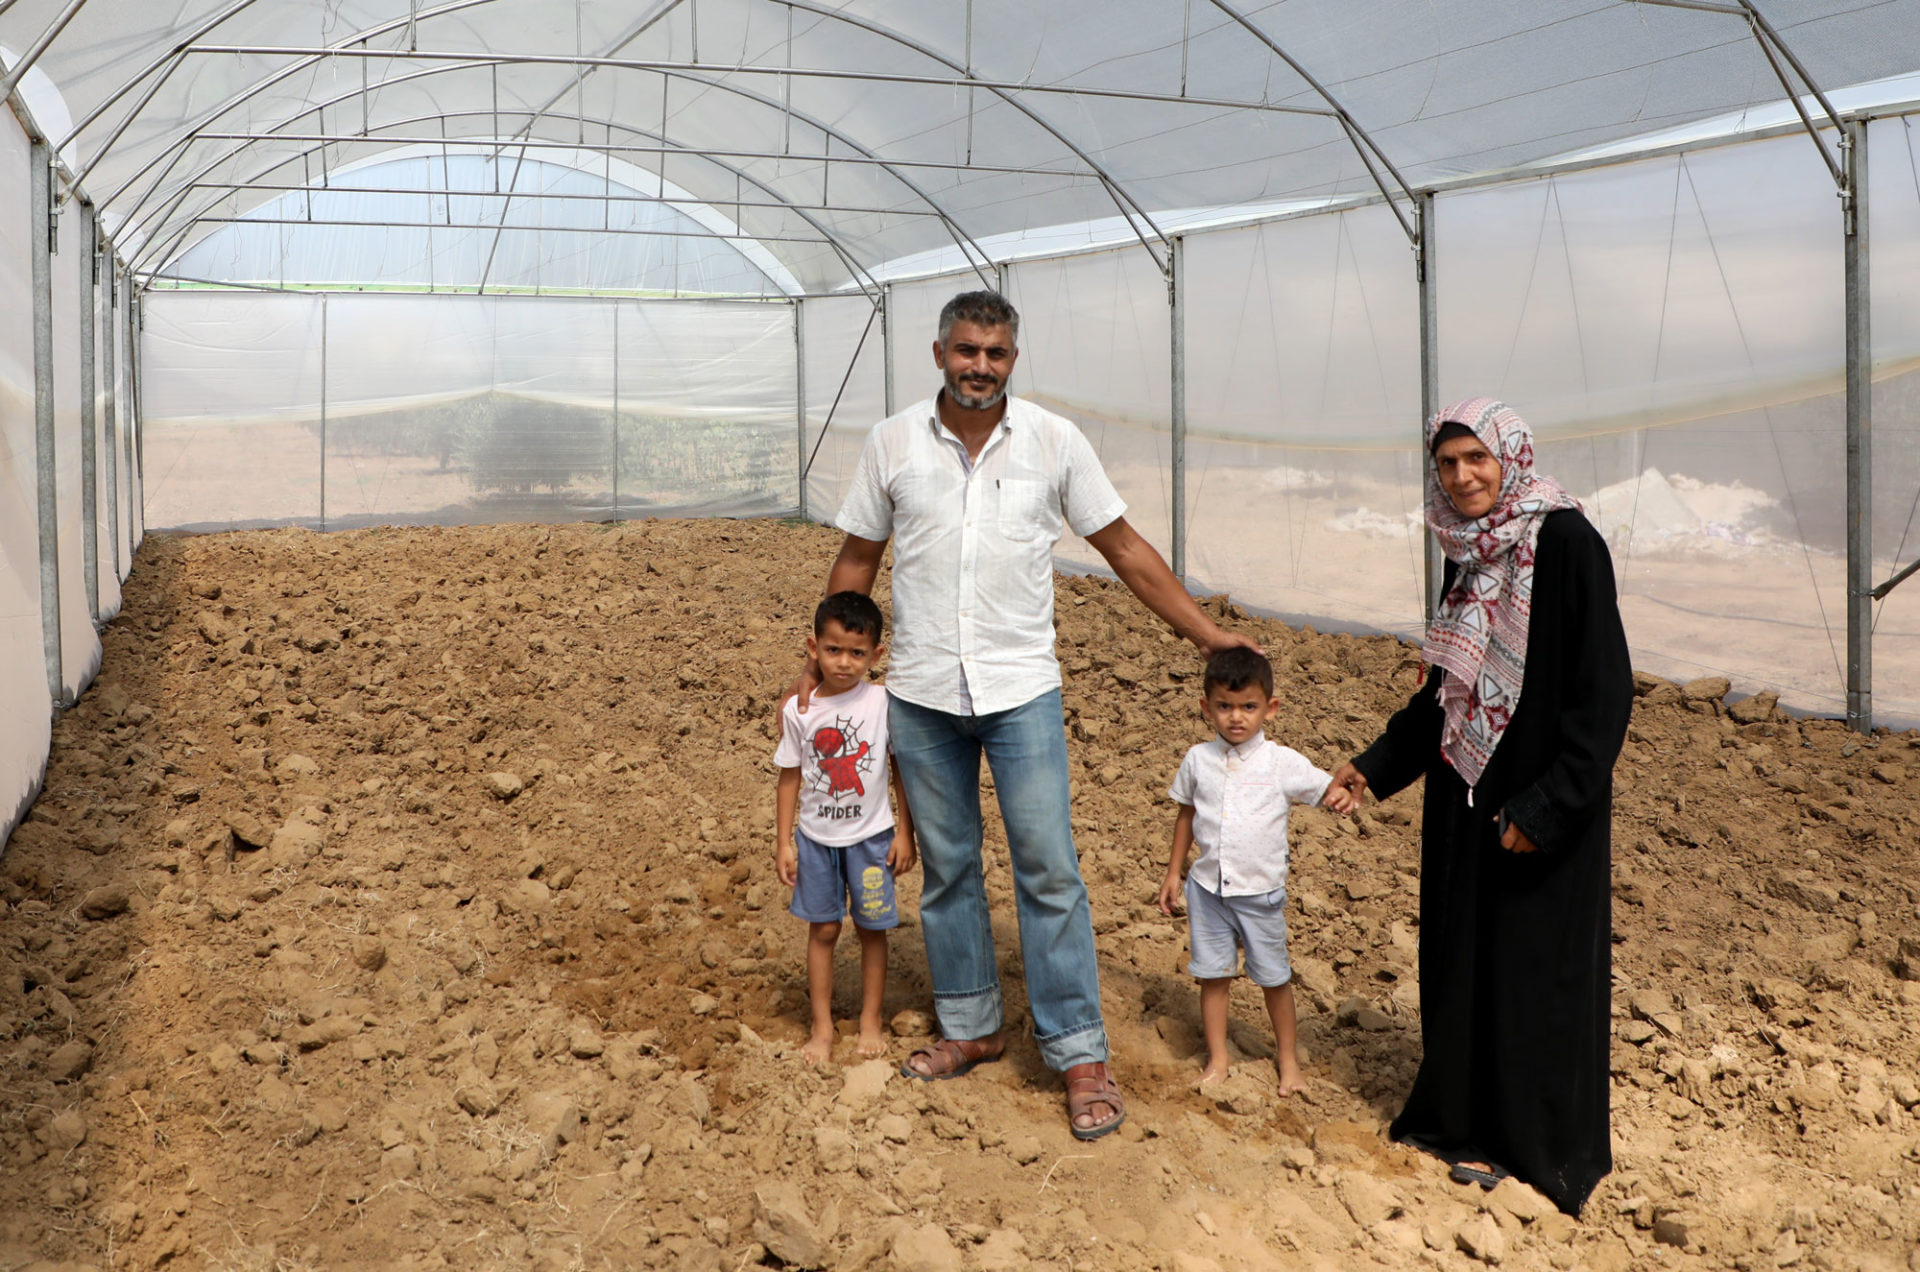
804	685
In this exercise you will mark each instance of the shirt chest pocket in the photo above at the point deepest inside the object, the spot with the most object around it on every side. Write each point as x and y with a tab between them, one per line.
1025	509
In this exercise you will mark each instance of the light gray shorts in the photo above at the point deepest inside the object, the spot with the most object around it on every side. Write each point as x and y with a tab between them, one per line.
1218	927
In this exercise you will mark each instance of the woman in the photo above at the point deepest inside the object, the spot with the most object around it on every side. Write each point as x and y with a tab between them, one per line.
1516	730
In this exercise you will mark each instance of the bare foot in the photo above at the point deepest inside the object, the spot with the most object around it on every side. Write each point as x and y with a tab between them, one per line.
872	1044
819	1048
1292	1081
1216	1071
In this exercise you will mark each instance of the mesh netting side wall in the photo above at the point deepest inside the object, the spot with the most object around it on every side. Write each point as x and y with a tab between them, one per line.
708	415
1673	330
443	410
845	359
1303	408
233	400
1095	341
1894	232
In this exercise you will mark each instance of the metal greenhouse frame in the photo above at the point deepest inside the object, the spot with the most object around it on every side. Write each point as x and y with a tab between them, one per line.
856	150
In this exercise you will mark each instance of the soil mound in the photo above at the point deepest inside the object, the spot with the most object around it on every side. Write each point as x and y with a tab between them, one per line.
406	899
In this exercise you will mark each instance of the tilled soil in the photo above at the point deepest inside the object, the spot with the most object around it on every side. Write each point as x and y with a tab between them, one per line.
406	899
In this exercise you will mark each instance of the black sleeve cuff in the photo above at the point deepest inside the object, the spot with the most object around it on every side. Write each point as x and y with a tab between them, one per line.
1375	763
1538	819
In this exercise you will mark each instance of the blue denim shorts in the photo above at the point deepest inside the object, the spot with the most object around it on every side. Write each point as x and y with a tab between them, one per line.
834	880
1257	924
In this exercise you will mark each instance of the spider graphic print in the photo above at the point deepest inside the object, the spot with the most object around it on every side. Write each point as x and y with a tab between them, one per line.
841	759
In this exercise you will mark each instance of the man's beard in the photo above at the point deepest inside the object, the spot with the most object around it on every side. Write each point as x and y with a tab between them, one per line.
976	402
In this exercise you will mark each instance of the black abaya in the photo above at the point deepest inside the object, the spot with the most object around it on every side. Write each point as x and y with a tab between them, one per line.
1515	948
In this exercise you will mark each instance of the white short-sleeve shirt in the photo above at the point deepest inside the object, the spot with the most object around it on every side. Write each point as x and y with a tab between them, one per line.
840	748
1240	797
973	549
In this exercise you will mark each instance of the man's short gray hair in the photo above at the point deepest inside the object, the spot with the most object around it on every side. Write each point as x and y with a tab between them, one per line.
983	308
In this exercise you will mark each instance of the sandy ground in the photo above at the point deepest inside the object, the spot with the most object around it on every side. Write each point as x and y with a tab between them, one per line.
406	899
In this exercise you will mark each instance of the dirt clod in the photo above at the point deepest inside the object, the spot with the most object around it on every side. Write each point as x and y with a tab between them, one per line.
349	1003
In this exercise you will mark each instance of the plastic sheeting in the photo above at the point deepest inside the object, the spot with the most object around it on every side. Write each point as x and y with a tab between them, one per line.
25	740
79	642
344	410
852	169
1894	174
1303	397
129	470
1673	330
26	703
845	344
508	222
1671	327
106	513
1095	339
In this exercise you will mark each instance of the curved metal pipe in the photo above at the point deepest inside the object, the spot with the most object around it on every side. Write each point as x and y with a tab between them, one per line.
1362	140
861	276
962	239
1122	199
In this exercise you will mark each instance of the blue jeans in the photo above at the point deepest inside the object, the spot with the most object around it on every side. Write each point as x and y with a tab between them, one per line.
938	758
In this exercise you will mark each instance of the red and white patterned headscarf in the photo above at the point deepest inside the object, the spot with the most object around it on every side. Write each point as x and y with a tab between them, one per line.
1479	636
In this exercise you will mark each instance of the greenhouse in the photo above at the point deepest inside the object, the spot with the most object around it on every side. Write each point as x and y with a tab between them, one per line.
677	260
342	264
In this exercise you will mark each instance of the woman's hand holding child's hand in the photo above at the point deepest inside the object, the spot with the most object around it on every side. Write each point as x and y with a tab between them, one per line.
1340	800
1344	792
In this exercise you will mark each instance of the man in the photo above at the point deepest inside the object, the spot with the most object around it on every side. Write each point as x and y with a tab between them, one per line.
973	488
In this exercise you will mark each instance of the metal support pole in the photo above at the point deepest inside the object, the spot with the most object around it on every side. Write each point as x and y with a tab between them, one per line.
1003	278
1425	261
110	376
886	344
89	444
1177	323
40	221
130	414
800	398
136	412
616	411
323	415
1859	435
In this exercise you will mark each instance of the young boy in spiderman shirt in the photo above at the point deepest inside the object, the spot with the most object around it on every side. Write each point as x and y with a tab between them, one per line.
838	841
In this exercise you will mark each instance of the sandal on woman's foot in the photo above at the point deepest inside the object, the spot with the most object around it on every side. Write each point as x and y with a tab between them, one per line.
1486	1175
1089	1086
953	1057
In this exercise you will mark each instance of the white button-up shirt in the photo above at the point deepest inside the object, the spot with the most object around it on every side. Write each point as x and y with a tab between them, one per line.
1240	796
973	549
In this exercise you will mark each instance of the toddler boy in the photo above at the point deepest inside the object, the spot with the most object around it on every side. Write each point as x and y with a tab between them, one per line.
1234	792
848	843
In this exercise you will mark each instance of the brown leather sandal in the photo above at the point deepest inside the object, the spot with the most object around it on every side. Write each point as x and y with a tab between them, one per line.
954	1057
1089	1085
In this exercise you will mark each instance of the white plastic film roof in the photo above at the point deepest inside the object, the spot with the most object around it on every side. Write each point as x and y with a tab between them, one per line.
842	137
